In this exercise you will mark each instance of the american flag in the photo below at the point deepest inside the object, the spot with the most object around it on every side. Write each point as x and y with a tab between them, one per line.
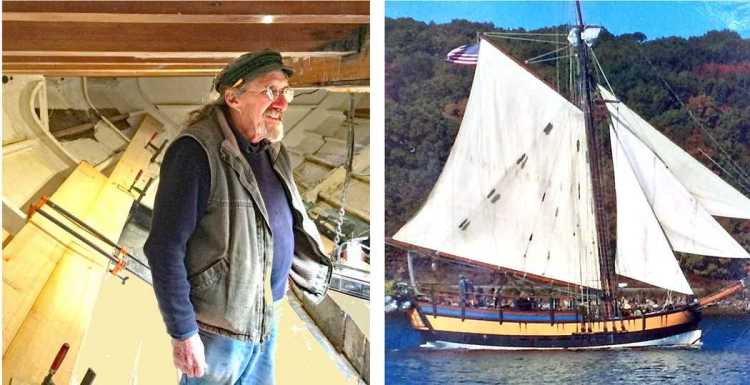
465	54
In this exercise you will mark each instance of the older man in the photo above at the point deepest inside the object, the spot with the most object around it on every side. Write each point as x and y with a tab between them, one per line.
229	229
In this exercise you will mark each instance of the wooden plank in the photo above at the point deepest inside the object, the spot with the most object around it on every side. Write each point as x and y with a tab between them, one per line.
165	37
145	18
310	72
63	309
28	260
122	73
136	157
158	55
321	72
296	344
214	59
357	7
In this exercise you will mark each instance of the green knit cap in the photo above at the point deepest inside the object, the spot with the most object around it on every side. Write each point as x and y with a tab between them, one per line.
251	65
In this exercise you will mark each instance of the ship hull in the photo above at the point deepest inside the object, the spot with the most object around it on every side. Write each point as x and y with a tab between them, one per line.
491	329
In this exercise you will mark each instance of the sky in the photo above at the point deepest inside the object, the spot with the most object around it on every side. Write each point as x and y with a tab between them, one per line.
654	18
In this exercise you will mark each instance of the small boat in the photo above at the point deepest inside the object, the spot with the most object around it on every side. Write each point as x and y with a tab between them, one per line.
522	193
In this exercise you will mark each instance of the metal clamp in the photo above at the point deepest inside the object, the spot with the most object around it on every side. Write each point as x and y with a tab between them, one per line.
141	191
157	149
119	256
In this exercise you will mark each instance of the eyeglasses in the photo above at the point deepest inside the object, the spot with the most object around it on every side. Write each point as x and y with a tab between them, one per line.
273	93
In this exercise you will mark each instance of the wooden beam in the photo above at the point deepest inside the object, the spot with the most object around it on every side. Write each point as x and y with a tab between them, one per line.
316	72
80	128
357	7
110	72
136	56
165	37
153	18
353	70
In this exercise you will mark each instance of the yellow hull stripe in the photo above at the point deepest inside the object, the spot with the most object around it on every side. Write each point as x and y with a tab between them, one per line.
515	328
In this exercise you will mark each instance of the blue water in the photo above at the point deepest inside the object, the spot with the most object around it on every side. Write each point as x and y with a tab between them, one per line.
724	359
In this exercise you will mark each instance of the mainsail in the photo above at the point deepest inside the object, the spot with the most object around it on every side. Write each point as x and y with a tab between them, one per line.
516	190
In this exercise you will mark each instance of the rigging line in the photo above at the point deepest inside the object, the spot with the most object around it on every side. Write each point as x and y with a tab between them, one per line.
523	34
738	170
525	39
720	167
544	60
546	54
571	92
601	70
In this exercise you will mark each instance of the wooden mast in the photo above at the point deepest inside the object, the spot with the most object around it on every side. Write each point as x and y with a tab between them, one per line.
606	260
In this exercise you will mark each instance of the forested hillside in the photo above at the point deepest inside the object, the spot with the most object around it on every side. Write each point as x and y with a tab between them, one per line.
425	98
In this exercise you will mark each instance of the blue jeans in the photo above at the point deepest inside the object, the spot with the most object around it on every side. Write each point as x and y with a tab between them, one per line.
234	362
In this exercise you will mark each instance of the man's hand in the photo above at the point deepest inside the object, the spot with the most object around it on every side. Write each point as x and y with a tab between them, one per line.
189	357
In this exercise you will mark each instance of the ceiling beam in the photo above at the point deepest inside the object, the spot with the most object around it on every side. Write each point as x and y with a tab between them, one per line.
140	56
335	71
165	37
154	18
185	38
357	7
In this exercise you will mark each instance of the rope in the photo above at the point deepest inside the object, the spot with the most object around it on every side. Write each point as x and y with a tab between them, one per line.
601	70
550	59
545	54
525	39
700	125
524	34
718	165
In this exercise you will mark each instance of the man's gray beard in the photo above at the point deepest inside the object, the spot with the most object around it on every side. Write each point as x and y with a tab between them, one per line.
275	134
272	134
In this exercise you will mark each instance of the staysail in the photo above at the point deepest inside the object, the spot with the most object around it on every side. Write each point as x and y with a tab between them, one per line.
689	226
643	252
715	195
657	212
515	191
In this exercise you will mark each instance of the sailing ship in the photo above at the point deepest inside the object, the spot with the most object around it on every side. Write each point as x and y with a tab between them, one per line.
521	193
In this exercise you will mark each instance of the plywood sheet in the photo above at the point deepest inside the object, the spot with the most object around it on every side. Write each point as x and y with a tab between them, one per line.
297	345
63	309
126	342
28	260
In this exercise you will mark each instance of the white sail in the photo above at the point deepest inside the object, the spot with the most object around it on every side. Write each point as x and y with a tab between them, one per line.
688	226
643	252
515	191
715	195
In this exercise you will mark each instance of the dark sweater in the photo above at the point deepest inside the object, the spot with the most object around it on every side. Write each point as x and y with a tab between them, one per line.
181	201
